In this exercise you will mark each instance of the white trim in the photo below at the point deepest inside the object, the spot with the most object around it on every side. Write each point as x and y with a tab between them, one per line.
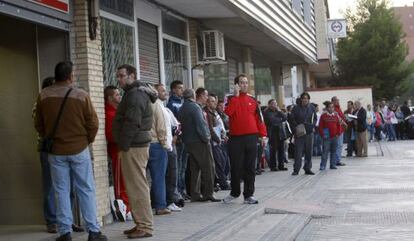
161	55
136	43
189	64
175	16
176	40
116	18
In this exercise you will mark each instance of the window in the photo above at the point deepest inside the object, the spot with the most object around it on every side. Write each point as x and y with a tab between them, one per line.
216	79
174	26
175	62
117	48
122	8
262	81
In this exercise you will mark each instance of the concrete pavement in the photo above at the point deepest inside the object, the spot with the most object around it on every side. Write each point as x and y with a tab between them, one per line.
369	199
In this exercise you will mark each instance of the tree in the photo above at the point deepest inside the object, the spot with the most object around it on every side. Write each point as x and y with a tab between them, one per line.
374	51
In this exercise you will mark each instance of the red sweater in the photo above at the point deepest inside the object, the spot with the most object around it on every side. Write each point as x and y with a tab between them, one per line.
244	115
342	116
331	122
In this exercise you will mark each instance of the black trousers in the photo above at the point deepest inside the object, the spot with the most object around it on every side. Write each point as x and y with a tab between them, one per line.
201	170
279	148
242	152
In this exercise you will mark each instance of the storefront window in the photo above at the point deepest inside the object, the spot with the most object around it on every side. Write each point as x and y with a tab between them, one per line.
117	48
175	62
262	81
216	79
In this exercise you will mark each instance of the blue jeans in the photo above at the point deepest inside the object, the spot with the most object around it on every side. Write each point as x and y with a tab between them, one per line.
329	145
391	132
80	167
182	157
317	144
49	203
157	164
371	131
338	153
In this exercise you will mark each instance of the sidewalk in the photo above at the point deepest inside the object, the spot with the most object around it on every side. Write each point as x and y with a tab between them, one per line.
291	207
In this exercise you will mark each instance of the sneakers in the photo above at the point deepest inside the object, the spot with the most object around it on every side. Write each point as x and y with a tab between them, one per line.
180	203
174	208
129	217
64	237
228	199
96	236
120	210
163	211
250	200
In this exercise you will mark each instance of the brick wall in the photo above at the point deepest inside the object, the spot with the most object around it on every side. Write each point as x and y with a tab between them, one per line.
87	57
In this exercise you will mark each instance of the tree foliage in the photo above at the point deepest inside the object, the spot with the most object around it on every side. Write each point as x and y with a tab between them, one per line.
374	51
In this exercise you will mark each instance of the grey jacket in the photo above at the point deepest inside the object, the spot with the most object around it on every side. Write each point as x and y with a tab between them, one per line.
133	120
194	125
303	115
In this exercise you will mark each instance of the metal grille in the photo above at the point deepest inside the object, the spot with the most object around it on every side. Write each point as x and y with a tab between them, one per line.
148	52
117	48
175	62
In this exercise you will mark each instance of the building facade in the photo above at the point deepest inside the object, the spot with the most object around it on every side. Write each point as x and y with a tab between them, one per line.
406	16
202	43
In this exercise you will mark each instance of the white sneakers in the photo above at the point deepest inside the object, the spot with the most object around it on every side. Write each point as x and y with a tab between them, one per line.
228	199
174	208
120	210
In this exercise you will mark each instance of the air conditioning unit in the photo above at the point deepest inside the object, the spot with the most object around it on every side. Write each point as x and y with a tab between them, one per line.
213	45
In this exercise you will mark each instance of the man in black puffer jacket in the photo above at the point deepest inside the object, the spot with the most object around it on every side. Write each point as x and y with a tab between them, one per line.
131	130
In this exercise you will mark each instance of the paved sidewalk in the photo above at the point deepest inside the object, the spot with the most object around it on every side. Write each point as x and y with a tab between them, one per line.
369	199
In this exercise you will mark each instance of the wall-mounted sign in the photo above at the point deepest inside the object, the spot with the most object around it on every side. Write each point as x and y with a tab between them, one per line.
336	28
59	5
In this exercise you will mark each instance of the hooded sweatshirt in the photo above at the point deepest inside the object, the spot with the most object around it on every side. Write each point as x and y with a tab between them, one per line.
134	117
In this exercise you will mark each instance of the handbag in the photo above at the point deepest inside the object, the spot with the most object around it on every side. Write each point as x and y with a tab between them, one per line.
300	130
46	144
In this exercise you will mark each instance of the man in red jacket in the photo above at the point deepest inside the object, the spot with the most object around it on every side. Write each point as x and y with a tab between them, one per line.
342	120
112	100
246	125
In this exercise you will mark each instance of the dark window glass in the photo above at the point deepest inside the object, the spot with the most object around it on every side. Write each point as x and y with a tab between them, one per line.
122	8
174	26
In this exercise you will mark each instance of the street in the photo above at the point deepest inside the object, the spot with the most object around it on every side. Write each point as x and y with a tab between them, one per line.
368	199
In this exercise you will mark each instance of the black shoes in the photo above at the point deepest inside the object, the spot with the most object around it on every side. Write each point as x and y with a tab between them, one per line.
65	237
341	164
77	229
274	169
180	203
309	172
96	236
283	168
295	173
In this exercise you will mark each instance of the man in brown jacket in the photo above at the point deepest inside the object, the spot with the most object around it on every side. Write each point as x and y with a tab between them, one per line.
70	155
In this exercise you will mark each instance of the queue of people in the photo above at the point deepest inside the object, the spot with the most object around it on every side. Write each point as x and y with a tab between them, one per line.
169	148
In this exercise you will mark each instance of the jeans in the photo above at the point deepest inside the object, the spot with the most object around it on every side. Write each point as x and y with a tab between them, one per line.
80	167
317	144
49	203
371	131
390	131
339	146
329	145
171	177
157	164
182	157
220	161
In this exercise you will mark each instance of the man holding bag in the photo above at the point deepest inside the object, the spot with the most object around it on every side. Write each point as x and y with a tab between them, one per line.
303	119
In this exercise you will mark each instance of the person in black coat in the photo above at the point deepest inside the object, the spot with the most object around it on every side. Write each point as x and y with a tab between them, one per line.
275	124
360	125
